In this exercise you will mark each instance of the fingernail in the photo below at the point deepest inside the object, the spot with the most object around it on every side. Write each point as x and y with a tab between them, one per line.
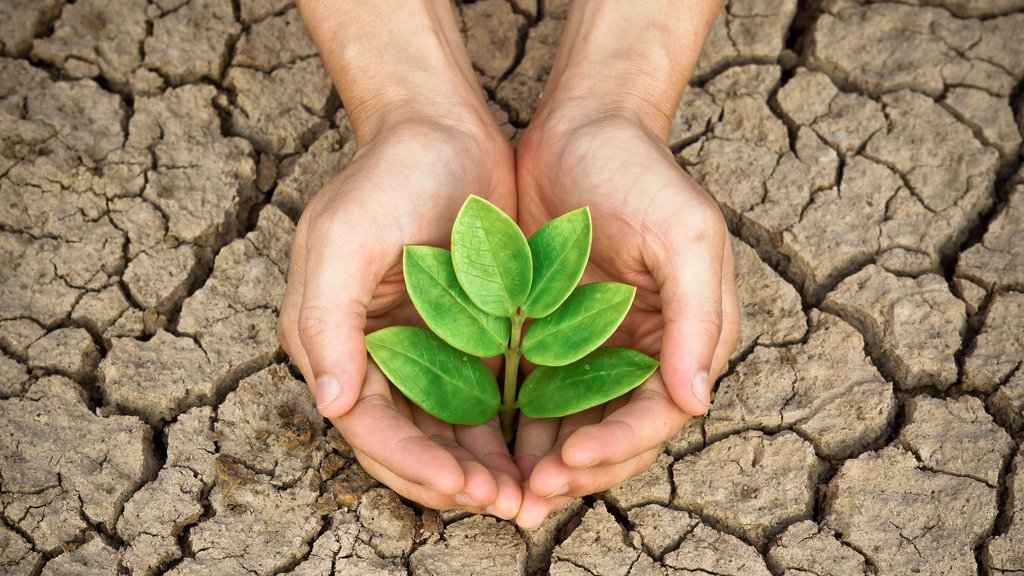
561	491
490	510
463	500
327	389
702	389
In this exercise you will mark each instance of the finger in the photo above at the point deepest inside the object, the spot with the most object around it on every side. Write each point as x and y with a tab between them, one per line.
479	489
574	422
534	439
535	509
566	426
509	499
411	490
375	427
487	445
649	419
486	442
689	275
537	438
552	477
612	405
730	314
345	263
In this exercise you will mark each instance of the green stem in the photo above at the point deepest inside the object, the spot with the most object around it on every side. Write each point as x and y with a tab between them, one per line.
508	397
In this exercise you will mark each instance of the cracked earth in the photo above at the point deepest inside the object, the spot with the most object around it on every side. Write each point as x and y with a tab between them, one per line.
155	154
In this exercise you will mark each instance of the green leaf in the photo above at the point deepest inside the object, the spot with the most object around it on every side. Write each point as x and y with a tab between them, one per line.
602	375
491	258
585	320
447	384
445	307
560	250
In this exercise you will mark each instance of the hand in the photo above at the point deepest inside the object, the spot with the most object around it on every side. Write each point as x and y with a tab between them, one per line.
404	187
654	228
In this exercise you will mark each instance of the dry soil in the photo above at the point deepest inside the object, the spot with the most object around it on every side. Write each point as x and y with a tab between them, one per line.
155	154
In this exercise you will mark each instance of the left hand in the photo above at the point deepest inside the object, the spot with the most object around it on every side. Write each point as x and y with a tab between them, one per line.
404	186
656	229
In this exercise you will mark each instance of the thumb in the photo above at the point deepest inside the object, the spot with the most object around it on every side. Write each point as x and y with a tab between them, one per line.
341	277
689	273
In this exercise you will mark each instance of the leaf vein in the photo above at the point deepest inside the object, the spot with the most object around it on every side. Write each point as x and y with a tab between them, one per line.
432	368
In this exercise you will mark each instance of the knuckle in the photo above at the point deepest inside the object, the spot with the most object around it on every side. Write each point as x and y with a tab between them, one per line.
708	321
377	400
321	225
652	396
312	321
702	226
443	440
323	220
707	226
328	194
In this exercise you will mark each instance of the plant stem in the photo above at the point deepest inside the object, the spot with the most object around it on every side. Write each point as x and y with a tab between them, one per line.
508	397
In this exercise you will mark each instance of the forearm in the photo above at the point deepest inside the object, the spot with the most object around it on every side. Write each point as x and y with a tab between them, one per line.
628	57
395	60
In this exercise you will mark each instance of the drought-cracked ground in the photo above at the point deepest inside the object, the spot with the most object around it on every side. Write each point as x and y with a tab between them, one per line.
155	154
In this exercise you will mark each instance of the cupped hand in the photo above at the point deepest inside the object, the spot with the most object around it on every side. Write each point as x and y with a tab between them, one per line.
404	186
654	228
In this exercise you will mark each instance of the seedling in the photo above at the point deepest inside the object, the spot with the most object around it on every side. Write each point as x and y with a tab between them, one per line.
477	299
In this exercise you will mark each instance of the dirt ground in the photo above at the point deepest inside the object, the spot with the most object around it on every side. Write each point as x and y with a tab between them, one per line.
866	156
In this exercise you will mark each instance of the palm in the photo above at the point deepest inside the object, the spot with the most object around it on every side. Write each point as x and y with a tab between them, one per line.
620	192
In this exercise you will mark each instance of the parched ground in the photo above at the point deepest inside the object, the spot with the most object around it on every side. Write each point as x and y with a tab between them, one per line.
154	156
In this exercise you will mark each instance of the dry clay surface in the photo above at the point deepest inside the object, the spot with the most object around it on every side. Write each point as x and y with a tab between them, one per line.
155	155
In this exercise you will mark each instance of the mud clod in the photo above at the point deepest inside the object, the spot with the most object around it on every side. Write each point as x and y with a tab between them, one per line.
752	483
58	479
826	389
806	548
479	544
902	517
914	325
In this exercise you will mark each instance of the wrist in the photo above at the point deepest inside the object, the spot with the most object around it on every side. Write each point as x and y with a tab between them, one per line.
396	62
604	67
413	113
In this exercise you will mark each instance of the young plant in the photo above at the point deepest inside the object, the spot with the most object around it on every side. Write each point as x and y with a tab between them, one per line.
476	301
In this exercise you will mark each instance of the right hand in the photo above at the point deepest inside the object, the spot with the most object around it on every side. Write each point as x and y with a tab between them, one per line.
404	186
654	228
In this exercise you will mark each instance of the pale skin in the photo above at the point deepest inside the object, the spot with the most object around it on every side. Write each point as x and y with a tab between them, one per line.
426	140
